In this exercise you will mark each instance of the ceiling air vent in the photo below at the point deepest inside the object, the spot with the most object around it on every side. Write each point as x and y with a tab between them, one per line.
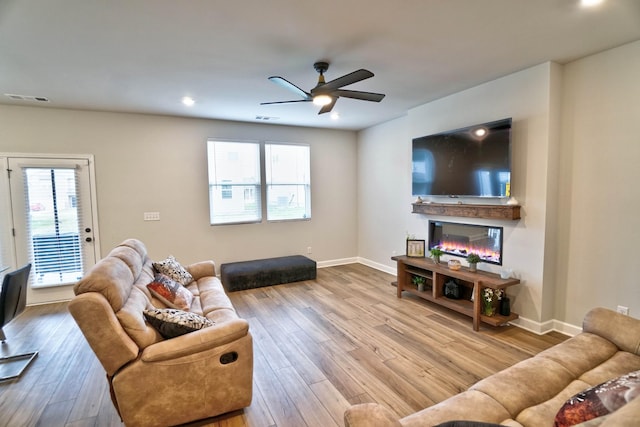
27	97
266	118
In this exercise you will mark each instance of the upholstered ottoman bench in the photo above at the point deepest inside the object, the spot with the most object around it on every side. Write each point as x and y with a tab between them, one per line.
237	276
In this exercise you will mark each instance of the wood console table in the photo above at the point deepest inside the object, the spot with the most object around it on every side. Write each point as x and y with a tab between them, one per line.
471	284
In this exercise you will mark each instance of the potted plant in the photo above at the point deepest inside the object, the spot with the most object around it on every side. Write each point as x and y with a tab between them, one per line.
419	281
436	253
473	260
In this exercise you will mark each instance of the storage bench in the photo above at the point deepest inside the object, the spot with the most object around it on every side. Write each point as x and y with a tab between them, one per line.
237	276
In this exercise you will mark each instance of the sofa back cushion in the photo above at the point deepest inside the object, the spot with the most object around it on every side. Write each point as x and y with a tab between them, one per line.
114	275
121	278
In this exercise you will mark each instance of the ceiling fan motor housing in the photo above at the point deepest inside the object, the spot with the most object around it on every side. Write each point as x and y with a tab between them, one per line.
321	66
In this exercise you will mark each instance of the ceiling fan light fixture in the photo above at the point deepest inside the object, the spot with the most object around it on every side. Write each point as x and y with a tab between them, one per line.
322	100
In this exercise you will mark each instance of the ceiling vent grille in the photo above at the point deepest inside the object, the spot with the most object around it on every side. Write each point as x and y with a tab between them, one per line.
30	98
266	118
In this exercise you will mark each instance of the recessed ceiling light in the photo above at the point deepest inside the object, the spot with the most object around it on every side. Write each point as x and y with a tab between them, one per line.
335	115
590	3
188	101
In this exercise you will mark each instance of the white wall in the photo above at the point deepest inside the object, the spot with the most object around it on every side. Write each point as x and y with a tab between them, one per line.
599	229
157	163
575	169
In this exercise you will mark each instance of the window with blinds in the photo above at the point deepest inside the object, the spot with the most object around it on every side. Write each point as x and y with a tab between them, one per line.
249	178
288	181
234	182
53	227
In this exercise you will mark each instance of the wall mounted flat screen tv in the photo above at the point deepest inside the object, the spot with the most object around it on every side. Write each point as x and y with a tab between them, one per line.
474	161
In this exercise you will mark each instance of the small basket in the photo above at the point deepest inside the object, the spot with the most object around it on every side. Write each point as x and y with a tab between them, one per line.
454	264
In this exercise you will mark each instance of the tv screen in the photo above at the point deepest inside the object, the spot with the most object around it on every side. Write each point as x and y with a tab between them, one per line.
474	161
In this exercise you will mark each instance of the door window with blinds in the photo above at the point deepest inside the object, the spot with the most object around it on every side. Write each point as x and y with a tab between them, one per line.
250	180
52	220
53	225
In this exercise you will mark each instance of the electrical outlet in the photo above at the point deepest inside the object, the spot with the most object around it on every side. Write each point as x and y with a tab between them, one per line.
308	250
623	310
152	216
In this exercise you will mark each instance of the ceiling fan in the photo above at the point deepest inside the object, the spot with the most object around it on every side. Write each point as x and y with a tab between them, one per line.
327	93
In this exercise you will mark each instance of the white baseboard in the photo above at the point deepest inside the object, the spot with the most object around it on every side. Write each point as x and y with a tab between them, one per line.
378	266
542	328
334	262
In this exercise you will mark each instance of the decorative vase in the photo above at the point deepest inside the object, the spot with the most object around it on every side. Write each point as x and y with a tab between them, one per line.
421	287
505	306
473	267
436	259
488	308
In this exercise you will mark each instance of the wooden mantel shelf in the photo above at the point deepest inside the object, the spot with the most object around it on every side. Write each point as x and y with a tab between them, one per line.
507	212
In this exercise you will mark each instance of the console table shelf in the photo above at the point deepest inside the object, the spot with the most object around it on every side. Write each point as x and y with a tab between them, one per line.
507	212
471	284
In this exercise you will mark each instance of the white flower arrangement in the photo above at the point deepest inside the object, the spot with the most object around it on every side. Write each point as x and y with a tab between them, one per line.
489	296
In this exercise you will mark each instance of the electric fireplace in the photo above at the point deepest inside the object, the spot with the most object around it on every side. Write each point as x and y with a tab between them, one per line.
462	239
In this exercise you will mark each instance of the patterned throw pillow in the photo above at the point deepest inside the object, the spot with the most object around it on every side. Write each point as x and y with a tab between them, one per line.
172	323
171	292
600	400
172	268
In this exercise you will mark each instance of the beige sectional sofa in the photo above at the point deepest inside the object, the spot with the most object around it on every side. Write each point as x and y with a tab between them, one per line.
156	381
532	392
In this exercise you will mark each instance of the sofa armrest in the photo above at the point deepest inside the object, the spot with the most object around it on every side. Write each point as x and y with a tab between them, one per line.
197	341
623	331
370	414
202	269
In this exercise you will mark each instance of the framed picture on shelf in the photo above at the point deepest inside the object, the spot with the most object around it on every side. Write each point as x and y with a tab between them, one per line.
415	248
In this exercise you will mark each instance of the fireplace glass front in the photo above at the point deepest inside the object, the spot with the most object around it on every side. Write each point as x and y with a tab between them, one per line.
462	239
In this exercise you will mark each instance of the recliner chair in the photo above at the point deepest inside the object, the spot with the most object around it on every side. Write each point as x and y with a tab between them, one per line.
13	300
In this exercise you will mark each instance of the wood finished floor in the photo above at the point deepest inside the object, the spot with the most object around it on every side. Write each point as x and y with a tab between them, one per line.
319	347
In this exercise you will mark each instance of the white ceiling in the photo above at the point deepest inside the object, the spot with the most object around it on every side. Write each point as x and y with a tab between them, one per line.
145	55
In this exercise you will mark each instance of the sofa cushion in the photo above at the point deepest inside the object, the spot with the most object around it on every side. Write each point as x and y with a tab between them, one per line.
172	323
551	378
132	319
619	364
544	413
581	353
458	408
600	400
172	268
170	292
467	424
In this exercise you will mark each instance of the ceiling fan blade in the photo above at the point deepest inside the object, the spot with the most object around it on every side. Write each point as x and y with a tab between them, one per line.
345	80
355	94
290	86
286	102
329	106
